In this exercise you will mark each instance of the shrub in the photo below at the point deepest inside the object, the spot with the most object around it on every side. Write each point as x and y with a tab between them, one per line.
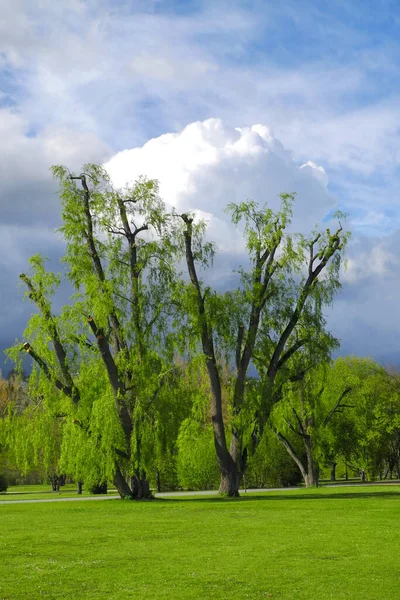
271	465
197	464
98	488
3	483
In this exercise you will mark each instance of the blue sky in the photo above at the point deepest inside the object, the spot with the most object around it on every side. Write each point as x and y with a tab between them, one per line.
81	81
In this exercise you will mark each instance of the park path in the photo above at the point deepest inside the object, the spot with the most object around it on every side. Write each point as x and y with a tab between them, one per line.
188	494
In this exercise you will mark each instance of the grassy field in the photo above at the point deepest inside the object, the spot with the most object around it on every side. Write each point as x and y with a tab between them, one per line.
308	544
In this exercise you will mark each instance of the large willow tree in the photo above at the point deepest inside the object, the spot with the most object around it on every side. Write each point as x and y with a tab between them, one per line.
102	366
274	313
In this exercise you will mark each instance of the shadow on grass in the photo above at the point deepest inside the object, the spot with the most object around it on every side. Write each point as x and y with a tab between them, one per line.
267	497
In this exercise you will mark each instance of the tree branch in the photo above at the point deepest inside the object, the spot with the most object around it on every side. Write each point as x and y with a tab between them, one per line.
289	353
300	424
239	342
337	406
43	305
68	391
113	376
291	451
325	254
98	267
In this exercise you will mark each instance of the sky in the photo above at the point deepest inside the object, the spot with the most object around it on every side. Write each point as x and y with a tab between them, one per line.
219	100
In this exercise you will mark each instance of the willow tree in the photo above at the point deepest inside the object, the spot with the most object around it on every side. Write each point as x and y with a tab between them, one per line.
337	411
102	363
307	410
264	320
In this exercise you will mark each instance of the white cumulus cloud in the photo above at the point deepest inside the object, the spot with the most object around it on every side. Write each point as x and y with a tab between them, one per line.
209	164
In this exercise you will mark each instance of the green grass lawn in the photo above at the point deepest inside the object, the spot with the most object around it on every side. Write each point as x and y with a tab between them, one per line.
308	544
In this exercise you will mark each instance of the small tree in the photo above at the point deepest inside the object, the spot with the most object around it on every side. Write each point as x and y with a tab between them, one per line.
318	410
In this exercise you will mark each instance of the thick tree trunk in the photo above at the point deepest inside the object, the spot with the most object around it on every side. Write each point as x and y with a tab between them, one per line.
333	471
226	464
231	479
229	483
79	488
311	478
55	483
120	483
140	486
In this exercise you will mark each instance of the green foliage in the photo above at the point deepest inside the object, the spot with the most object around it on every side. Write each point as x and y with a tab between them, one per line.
196	461
343	408
270	465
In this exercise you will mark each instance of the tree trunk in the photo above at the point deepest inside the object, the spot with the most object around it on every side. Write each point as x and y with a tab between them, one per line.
333	471
140	486
311	478
309	471
79	488
293	455
232	476
120	483
229	483
312	469
55	483
158	481
226	464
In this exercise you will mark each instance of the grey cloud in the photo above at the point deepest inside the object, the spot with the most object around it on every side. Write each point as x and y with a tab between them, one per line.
30	209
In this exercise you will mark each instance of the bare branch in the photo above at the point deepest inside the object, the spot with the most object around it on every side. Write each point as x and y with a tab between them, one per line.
43	305
71	392
337	406
93	253
291	451
312	256
239	342
144	227
116	232
326	254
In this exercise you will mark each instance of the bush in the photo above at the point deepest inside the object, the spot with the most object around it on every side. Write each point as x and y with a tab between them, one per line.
271	465
3	483
197	464
98	488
